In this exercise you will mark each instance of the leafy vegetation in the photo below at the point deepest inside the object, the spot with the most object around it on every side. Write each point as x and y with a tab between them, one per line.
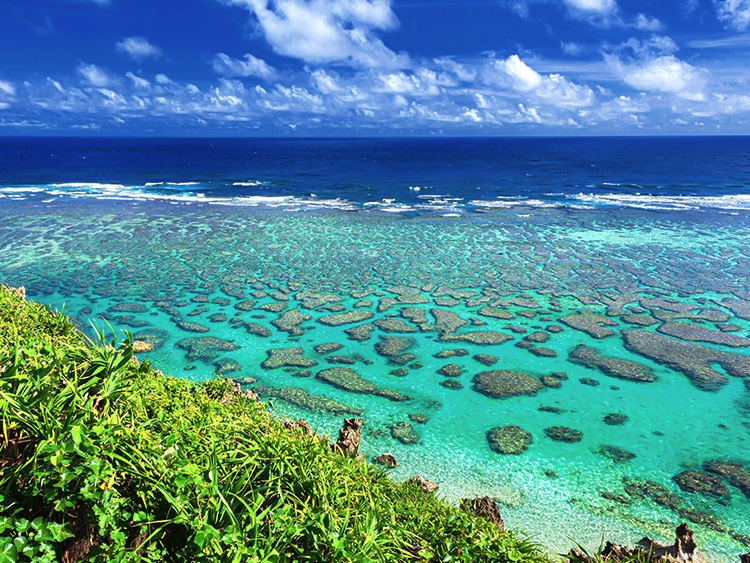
105	459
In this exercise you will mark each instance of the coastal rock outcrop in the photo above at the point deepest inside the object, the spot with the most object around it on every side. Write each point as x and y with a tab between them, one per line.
425	485
300	424
387	459
647	550
349	437
484	507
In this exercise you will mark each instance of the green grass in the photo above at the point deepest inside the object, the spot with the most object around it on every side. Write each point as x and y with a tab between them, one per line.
106	459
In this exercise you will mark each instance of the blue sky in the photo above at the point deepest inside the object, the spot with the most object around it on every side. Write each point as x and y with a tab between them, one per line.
374	67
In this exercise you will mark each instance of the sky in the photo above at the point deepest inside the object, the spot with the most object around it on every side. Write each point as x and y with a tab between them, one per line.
374	67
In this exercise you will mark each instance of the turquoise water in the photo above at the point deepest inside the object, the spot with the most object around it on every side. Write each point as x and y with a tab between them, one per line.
154	267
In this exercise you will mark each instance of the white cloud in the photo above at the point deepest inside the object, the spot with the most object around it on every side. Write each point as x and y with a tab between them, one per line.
328	31
735	13
644	23
596	12
138	48
554	89
600	7
666	74
462	72
725	104
563	93
94	75
530	114
472	115
138	82
7	88
656	45
422	83
599	13
251	66
522	77
573	49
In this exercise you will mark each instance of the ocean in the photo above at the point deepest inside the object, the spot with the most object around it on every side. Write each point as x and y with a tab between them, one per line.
562	324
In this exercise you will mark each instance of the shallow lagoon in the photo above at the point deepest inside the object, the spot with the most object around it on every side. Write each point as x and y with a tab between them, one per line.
170	272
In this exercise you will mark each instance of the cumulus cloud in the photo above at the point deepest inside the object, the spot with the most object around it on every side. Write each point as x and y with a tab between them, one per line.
554	89
225	65
95	75
138	48
424	82
735	13
666	74
599	7
522	77
651	66
328	31
597	12
462	72
727	104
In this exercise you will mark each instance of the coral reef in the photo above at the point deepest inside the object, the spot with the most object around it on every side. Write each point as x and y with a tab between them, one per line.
504	383
512	440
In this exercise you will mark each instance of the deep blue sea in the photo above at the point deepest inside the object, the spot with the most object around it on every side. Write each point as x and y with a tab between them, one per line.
562	324
395	174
